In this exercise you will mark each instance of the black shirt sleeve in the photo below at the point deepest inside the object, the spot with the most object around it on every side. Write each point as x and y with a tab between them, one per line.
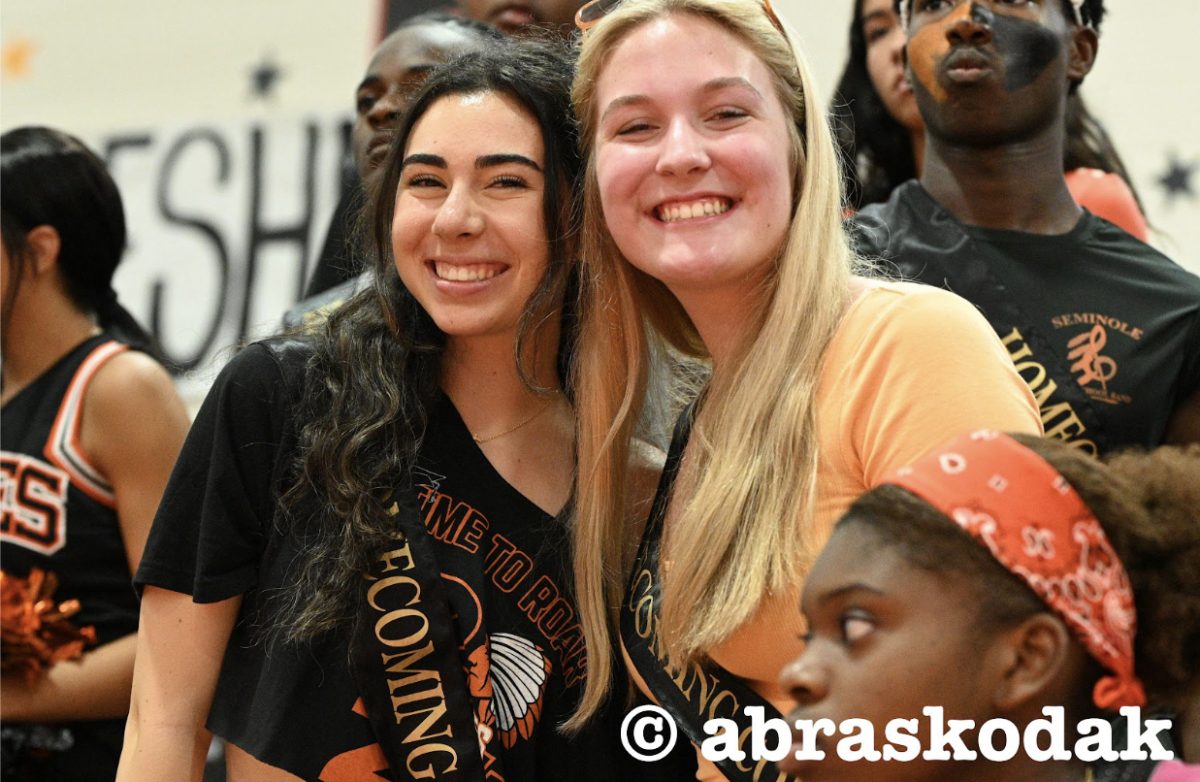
209	533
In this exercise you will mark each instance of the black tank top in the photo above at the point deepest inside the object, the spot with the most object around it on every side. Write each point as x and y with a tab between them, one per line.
58	511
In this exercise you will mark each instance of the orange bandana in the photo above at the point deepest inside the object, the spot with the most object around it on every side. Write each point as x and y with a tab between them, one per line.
1032	521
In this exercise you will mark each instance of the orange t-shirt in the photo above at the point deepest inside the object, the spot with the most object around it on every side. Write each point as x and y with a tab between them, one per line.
1107	196
909	367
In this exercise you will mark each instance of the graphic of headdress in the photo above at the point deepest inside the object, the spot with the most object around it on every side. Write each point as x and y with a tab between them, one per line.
519	671
507	675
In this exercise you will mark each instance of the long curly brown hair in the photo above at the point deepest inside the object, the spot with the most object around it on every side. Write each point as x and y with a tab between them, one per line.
374	373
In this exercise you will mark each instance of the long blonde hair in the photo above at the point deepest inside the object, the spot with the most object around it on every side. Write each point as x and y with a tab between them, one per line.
740	535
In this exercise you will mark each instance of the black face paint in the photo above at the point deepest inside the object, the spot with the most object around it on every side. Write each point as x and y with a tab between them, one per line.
1026	46
982	14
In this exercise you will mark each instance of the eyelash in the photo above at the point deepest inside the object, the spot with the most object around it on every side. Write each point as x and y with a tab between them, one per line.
509	180
876	33
503	181
636	127
422	180
720	114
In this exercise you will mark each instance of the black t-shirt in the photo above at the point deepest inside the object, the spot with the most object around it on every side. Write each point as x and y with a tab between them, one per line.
504	563
1105	329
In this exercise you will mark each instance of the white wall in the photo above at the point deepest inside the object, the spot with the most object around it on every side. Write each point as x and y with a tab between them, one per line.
165	92
169	83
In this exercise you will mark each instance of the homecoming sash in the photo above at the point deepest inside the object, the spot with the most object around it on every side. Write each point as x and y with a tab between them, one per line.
406	663
1065	408
704	690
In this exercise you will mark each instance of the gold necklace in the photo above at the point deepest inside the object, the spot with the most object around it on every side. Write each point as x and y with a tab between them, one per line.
481	440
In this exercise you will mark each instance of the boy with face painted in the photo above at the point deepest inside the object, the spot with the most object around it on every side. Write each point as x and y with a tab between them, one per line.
1105	329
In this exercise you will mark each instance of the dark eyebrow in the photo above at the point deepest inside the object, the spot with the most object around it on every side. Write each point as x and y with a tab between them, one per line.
487	161
421	158
484	161
371	79
881	14
849	589
711	86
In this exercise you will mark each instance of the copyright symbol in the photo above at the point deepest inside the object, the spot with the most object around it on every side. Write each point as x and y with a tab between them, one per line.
648	733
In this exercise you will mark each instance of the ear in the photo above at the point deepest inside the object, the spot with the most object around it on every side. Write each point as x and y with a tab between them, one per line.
1030	659
1084	45
44	244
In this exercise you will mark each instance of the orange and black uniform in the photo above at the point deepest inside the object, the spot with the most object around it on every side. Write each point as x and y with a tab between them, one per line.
59	515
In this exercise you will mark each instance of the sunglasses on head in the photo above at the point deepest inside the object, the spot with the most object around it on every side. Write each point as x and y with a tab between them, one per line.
590	14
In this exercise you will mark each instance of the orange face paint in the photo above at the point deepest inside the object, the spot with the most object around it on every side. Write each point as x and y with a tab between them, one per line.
928	45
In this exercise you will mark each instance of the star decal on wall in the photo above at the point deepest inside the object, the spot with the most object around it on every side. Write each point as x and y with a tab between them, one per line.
1177	181
15	57
264	77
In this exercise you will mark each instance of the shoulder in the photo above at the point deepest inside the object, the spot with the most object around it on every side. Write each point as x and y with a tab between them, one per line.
133	418
878	229
922	341
131	383
268	367
910	366
1128	255
892	311
257	392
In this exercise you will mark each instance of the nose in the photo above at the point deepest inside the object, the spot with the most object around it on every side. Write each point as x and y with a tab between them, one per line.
458	216
895	43
387	111
971	24
805	680
683	150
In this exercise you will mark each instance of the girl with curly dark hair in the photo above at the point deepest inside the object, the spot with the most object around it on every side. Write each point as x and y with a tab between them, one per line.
361	565
1008	576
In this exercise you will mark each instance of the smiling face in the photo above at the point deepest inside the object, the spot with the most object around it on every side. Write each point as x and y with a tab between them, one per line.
885	61
692	157
987	73
396	72
886	639
468	232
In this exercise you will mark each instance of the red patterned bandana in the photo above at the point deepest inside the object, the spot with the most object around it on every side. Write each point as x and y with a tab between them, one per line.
1032	521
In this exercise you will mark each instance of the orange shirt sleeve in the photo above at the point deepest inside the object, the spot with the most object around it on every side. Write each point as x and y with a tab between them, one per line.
1108	196
920	365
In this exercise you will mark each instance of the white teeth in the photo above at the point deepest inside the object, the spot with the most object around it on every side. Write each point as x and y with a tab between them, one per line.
473	272
702	208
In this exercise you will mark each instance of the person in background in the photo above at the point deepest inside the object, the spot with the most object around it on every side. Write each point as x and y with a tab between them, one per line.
395	73
1105	329
90	425
360	568
524	17
978	544
882	136
713	222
